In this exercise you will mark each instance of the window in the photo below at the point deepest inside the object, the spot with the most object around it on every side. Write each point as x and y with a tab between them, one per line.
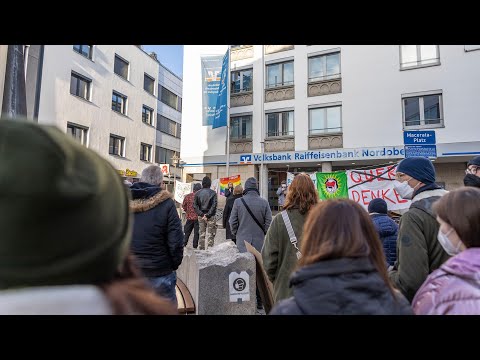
280	124
85	50
280	74
324	67
423	111
146	152
170	99
325	120
121	67
147	115
78	133
241	81
119	103
164	156
241	127
116	146
80	86
179	130
419	55
167	126
148	83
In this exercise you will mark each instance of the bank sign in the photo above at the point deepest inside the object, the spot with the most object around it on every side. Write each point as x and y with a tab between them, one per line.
388	152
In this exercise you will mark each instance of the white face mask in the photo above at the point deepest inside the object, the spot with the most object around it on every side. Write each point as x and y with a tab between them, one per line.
403	189
447	245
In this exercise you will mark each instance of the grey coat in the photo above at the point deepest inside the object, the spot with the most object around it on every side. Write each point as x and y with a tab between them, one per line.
244	227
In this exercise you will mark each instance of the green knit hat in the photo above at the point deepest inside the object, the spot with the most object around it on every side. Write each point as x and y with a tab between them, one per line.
64	216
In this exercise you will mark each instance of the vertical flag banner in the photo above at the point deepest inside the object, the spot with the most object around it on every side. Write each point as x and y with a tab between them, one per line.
366	185
221	108
332	185
211	70
235	180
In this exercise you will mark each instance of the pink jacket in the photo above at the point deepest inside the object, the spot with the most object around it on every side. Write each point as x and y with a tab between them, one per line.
452	289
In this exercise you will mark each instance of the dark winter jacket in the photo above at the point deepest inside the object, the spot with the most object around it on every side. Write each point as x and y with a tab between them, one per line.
453	289
226	215
278	253
347	286
387	230
205	202
157	230
418	249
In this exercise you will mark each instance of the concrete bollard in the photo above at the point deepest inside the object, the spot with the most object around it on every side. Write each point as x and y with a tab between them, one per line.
220	279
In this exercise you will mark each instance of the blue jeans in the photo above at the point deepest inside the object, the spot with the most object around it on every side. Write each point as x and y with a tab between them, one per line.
165	286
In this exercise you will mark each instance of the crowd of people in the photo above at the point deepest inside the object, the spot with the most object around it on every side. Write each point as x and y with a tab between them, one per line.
78	240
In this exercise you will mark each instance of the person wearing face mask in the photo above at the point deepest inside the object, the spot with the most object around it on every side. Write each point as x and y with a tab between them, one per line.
472	173
282	195
454	289
418	251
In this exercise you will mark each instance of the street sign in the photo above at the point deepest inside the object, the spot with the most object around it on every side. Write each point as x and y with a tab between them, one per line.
419	137
429	151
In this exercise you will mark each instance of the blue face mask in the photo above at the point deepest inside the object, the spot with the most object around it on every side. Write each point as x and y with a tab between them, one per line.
447	245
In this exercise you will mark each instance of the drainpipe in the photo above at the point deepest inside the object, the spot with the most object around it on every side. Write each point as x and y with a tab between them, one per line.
14	96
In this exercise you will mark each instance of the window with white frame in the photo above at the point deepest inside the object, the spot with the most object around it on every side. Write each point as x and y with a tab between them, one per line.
242	81
119	103
280	124
116	145
146	152
121	67
422	111
241	127
85	50
324	67
80	86
78	133
324	120
147	115
280	74
148	83
418	55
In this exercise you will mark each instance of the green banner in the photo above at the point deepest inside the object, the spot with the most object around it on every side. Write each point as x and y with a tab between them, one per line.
332	185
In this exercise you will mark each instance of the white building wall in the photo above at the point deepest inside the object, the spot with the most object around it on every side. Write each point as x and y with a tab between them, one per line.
371	97
58	106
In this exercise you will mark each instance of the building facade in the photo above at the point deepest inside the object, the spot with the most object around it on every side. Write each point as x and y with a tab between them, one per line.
333	107
107	97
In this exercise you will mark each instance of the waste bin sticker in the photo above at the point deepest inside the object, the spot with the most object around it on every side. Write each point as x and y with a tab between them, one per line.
239	286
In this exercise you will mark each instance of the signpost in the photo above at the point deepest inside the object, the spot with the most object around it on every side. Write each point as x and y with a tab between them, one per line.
420	143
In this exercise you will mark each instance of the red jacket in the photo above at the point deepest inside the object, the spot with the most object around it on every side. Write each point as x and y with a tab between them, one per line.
188	206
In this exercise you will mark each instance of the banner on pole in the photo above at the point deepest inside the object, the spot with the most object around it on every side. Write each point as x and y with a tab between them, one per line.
211	69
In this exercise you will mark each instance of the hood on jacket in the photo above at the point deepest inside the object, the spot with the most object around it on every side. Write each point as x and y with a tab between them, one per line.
465	265
338	284
147	203
142	190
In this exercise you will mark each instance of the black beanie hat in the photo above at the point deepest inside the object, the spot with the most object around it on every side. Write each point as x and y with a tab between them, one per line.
64	212
419	168
378	206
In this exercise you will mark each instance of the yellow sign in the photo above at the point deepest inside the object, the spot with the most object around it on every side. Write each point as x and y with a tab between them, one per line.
128	173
